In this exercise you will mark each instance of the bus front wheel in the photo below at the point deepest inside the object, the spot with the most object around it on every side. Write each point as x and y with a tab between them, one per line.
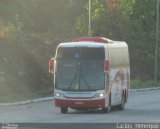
107	109
64	110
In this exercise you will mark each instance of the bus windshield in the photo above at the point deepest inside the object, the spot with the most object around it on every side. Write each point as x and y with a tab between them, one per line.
80	69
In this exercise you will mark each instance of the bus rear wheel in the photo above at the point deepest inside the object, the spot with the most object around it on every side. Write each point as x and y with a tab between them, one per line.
64	110
121	106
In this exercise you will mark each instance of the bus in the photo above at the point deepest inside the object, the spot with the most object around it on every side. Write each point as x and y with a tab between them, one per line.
91	73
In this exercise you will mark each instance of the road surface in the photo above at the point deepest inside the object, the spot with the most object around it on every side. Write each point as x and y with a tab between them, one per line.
142	106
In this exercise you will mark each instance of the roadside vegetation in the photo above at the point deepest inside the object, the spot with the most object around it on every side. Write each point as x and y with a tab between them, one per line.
30	30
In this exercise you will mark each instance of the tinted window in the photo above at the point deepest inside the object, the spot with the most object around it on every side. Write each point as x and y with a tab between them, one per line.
83	53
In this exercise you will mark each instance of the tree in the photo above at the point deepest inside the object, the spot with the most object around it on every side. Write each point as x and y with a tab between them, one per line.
130	20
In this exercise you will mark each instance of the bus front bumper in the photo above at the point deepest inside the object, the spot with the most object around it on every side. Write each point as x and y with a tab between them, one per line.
80	103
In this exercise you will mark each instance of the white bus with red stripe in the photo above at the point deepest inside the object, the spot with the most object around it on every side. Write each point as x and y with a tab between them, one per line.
91	73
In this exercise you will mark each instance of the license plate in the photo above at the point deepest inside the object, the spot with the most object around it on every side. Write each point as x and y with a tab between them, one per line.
79	103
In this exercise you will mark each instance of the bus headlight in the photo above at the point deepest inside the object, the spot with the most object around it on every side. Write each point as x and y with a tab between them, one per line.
100	95
59	95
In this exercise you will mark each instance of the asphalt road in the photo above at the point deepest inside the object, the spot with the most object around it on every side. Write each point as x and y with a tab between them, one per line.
142	107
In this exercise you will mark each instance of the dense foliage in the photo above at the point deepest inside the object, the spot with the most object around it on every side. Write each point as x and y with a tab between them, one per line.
133	21
31	29
29	33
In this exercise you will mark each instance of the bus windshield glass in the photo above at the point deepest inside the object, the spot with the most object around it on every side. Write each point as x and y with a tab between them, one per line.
80	68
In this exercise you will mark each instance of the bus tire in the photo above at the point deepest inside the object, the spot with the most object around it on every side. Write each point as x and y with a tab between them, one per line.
64	110
107	110
121	106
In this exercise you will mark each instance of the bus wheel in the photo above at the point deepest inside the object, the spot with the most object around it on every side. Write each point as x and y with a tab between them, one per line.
121	106
107	110
64	110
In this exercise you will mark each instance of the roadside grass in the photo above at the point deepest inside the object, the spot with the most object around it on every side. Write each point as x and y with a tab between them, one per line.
12	97
139	84
24	71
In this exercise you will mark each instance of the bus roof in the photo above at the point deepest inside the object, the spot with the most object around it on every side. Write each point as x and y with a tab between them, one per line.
81	44
93	42
93	39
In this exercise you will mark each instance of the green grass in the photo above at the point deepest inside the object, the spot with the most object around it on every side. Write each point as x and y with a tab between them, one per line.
12	97
23	72
138	84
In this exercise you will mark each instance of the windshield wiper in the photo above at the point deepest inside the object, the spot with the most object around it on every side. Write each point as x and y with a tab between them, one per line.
78	72
85	82
75	76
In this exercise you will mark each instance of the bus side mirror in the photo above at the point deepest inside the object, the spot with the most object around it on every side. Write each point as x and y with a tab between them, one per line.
106	66
51	65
